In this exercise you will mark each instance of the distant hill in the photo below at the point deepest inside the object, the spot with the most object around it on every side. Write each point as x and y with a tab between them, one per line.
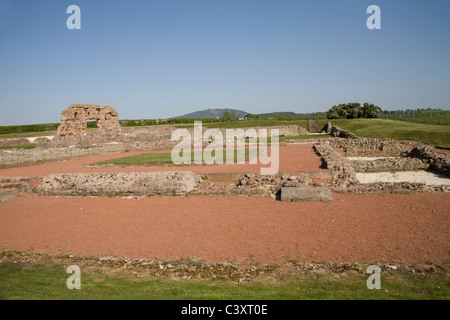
212	113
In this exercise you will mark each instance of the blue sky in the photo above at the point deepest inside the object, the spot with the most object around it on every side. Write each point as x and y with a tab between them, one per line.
158	59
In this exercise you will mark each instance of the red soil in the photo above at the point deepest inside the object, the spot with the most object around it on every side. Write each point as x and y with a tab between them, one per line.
372	228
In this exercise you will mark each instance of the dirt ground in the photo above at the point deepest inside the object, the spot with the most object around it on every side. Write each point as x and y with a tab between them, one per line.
362	228
372	228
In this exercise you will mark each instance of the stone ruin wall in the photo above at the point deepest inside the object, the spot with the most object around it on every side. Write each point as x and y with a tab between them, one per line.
118	184
368	147
74	118
340	133
343	171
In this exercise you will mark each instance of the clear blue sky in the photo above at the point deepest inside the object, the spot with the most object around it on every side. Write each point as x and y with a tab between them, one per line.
158	59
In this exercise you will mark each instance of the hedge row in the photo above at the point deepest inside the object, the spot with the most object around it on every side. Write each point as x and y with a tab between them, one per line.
29	128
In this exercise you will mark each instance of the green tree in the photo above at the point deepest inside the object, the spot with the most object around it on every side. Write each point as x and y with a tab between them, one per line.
371	110
229	115
353	110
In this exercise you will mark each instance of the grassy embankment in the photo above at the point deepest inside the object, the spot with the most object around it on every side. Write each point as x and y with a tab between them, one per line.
49	282
366	128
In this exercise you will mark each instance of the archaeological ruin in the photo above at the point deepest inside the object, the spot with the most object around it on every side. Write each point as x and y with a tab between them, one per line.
74	119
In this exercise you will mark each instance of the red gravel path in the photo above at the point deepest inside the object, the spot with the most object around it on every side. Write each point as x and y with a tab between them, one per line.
372	228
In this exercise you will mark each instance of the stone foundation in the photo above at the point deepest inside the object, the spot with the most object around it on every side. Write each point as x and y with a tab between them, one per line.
118	184
368	147
21	157
389	164
439	161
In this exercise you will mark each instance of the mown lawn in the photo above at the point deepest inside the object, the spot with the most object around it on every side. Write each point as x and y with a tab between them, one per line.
149	159
398	130
49	282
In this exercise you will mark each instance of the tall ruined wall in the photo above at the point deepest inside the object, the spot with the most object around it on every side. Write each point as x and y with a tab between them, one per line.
73	119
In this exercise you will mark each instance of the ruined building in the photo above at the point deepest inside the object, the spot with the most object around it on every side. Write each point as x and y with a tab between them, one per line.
73	119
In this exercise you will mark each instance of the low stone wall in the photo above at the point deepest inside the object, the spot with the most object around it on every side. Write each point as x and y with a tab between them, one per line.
148	138
118	184
341	169
292	130
341	133
438	161
15	184
368	147
14	142
20	157
392	187
389	164
305	194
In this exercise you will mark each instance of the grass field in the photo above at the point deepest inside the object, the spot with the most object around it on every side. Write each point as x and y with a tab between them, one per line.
367	128
25	146
49	282
148	159
398	130
27	134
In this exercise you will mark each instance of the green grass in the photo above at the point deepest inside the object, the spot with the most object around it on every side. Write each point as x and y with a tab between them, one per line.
312	136
257	123
441	117
398	130
25	146
39	282
27	134
148	159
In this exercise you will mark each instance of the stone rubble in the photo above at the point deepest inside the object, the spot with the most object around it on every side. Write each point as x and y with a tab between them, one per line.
190	268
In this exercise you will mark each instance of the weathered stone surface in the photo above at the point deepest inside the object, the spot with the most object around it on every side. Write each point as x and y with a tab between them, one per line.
367	147
15	184
20	157
118	183
439	161
7	196
341	169
313	126
13	142
389	164
73	119
341	133
305	194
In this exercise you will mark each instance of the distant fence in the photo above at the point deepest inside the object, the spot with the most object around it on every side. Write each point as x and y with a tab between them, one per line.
435	117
